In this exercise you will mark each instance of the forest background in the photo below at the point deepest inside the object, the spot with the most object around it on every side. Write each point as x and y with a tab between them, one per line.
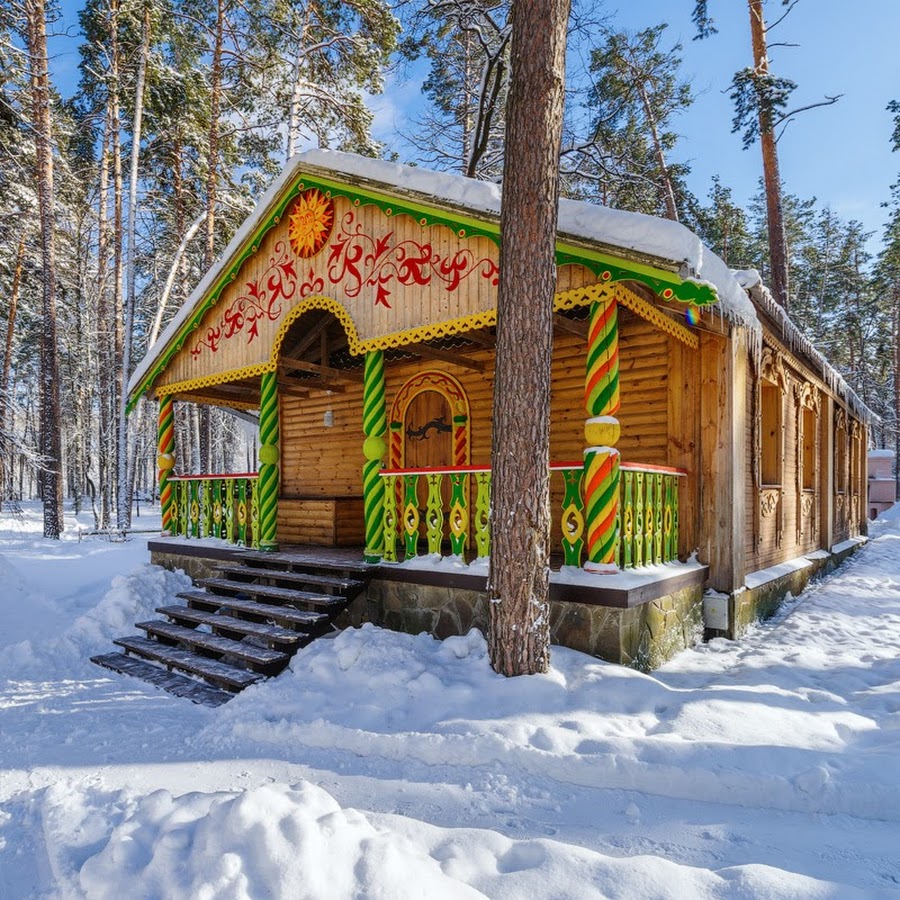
124	175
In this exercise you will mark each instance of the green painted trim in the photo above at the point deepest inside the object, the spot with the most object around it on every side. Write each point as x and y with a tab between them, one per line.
605	267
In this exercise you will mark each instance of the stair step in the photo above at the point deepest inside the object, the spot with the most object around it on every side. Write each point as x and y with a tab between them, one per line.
345	585
172	682
212	670
318	562
286	595
290	640
249	653
282	614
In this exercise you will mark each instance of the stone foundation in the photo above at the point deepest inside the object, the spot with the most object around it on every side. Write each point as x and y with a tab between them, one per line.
643	636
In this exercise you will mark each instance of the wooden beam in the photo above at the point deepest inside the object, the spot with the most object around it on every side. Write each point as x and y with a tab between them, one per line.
449	356
341	376
481	337
578	327
310	337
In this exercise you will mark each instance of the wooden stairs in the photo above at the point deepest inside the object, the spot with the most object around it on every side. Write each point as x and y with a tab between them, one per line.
243	627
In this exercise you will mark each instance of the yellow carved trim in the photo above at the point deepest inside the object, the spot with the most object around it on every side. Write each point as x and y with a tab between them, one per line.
354	345
192	385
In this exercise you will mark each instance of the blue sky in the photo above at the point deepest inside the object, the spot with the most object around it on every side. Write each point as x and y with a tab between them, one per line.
840	154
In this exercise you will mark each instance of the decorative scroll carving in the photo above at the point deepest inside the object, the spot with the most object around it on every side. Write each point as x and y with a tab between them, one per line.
772	368
806	504
769	499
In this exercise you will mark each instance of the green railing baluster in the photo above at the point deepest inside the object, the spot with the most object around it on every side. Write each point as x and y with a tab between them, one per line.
649	519
459	513
195	508
206	493
434	513
667	519
411	515
217	507
390	518
628	520
482	514
255	525
658	516
674	517
230	518
241	512
638	519
572	520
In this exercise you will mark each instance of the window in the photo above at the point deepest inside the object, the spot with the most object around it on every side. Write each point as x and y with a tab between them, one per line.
770	428
810	427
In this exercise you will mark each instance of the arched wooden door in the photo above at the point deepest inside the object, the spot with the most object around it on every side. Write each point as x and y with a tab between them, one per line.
428	432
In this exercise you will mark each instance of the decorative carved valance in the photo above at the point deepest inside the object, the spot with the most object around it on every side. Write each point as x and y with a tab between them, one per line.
772	368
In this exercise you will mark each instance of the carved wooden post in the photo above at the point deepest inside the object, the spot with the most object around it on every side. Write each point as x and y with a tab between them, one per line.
374	450
269	465
165	459
601	431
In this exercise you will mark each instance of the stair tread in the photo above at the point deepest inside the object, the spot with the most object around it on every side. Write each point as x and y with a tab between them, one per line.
293	559
230	623
211	669
335	581
283	613
274	593
249	652
171	682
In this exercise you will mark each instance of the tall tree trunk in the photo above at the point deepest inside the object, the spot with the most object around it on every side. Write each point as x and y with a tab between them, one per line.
124	491
118	244
50	442
519	625
771	177
665	178
106	443
5	404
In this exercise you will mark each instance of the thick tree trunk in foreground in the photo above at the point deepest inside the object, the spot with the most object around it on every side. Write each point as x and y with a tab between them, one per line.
771	176
519	627
50	443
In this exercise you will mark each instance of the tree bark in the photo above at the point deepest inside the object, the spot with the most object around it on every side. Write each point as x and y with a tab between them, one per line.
124	489
519	623
50	441
7	362
106	443
771	177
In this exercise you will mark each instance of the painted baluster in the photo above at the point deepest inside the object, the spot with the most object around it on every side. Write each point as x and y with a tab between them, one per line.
649	520
459	513
483	514
217	508
674	517
628	521
184	505
658	515
195	508
601	431
264	514
667	520
390	517
638	519
411	515
230	517
434	513
207	506
572	521
241	512
374	450
255	521
175	508
165	461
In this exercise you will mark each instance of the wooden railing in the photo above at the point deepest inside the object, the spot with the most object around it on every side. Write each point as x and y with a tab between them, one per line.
221	506
457	505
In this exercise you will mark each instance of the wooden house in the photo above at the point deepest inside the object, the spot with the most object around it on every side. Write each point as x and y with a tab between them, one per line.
705	457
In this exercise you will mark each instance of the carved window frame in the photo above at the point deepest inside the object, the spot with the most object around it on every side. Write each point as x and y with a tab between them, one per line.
808	399
770	497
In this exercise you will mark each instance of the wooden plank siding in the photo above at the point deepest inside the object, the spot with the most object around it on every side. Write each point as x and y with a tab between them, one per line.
775	538
322	463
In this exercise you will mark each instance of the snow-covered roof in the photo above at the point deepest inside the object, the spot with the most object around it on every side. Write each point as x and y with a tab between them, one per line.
654	241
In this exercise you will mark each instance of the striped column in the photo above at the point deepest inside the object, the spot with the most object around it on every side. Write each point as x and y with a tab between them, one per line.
374	449
165	460
269	468
601	432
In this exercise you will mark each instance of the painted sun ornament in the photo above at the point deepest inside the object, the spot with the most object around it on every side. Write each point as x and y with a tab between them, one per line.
310	222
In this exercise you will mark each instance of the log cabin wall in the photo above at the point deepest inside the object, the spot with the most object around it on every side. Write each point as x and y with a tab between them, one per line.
320	463
804	469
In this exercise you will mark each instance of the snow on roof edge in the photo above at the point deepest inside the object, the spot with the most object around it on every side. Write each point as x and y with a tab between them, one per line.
664	240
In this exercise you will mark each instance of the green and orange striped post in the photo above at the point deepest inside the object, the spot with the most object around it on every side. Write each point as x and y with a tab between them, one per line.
601	432
269	468
374	450
165	460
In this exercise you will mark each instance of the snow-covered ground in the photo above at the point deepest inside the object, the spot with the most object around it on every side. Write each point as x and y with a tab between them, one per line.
389	766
